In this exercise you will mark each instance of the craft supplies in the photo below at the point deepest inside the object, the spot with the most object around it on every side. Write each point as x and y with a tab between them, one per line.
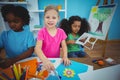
110	61
98	61
4	75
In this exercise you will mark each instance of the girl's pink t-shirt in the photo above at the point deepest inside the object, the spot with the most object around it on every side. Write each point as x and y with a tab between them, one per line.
51	44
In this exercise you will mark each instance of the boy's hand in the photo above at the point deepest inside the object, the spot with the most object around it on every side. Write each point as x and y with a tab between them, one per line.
5	63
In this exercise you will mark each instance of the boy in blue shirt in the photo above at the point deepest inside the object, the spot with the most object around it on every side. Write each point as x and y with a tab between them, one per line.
18	42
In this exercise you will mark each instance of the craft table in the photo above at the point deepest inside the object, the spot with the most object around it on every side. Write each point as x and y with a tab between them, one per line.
95	66
81	60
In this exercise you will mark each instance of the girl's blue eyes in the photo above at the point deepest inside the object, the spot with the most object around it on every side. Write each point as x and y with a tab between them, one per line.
52	17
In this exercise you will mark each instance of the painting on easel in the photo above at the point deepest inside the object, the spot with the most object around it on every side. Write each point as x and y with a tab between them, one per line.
100	19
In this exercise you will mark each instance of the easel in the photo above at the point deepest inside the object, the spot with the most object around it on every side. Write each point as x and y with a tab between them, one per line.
105	44
105	2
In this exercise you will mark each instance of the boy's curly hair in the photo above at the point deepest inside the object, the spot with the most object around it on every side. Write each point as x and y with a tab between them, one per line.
17	11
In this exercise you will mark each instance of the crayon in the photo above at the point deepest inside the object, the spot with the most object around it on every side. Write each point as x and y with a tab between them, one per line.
23	75
15	71
19	70
4	75
27	70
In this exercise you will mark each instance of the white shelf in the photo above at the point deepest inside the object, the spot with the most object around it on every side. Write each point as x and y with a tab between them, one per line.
36	10
13	2
33	8
36	29
43	10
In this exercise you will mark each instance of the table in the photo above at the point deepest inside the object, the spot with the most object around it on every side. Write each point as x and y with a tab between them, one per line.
95	66
88	61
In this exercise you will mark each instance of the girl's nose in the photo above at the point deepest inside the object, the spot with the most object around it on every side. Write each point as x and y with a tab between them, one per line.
78	27
50	19
11	24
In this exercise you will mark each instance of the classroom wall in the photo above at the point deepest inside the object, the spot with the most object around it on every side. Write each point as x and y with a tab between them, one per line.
83	7
114	30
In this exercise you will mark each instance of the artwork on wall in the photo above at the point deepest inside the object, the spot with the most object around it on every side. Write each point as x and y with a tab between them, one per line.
100	19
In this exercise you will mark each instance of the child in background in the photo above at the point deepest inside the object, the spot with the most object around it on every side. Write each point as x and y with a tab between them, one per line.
50	38
18	42
74	28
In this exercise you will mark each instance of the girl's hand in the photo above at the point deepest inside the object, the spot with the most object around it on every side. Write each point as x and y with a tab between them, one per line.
66	61
48	65
71	41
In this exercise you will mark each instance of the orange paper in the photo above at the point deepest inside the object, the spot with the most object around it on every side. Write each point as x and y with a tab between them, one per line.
32	67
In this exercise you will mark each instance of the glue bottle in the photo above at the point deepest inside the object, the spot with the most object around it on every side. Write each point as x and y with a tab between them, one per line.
110	61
